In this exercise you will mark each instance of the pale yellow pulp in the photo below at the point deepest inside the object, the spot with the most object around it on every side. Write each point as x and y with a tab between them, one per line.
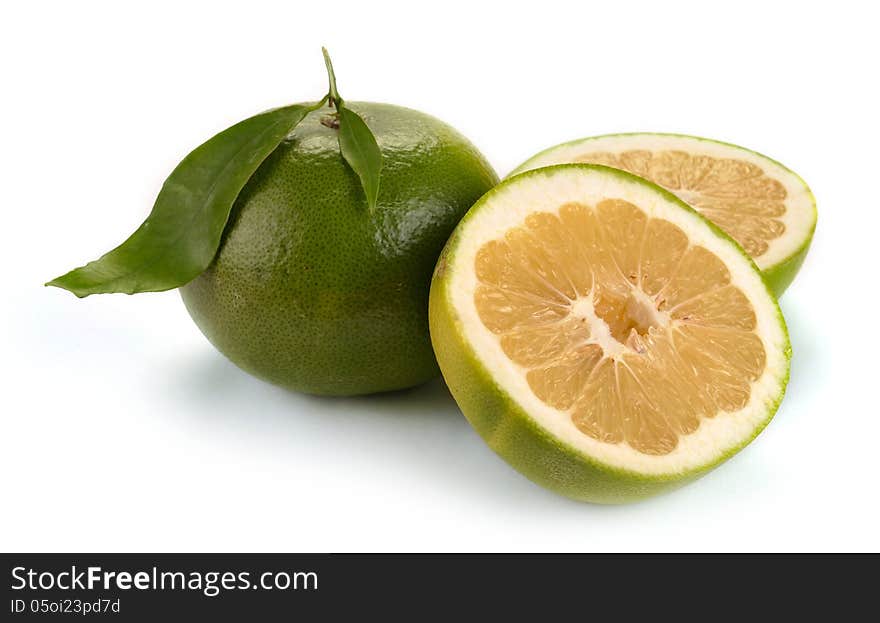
734	194
619	322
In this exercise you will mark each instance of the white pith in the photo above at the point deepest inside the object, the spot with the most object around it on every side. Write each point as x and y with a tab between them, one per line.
799	217
600	333
507	207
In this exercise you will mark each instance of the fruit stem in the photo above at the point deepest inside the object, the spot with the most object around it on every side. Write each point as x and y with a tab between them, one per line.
318	105
335	100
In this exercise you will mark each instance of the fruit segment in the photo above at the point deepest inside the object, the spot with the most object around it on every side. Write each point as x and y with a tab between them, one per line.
617	320
737	195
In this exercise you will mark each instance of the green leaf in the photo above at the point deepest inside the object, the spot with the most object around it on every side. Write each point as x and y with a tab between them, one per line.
182	234
360	150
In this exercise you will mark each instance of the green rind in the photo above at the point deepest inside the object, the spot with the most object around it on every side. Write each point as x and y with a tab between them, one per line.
778	276
518	438
781	275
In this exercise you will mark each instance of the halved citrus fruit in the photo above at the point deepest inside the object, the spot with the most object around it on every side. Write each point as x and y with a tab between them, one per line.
602	336
761	204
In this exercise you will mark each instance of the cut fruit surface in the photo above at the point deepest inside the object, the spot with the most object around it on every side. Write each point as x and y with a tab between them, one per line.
603	337
762	205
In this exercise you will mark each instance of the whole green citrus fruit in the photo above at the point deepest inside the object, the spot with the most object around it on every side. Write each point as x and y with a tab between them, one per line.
312	290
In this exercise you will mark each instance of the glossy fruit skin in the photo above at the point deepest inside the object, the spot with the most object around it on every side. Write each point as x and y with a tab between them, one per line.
781	275
312	291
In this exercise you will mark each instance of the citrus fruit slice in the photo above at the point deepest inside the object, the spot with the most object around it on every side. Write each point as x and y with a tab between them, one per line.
761	204
603	337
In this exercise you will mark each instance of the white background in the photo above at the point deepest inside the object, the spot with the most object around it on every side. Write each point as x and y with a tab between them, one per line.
123	429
